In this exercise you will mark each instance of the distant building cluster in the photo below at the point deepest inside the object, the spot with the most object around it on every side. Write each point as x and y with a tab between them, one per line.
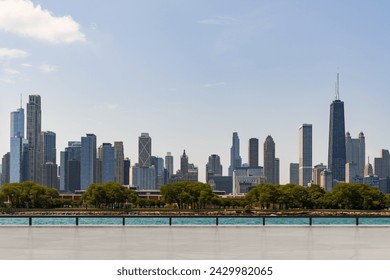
33	157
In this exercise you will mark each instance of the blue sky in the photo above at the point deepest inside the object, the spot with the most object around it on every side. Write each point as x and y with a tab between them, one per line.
190	73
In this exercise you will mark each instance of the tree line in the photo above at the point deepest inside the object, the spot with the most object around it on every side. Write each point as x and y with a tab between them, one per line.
196	195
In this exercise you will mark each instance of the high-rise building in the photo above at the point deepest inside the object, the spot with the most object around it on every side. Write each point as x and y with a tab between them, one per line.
213	167
70	167
305	154
294	173
126	172
253	153
144	177
316	173
49	162
355	150
336	149
16	146
184	163
158	163
277	171
235	158
269	160
119	162
5	169
49	147
351	173
382	164
88	162
34	129
169	164
106	153
326	181
144	149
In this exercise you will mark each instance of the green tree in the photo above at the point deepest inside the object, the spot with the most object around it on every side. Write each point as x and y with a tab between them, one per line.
194	195
109	195
29	195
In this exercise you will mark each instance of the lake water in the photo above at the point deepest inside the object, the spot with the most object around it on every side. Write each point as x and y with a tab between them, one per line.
274	220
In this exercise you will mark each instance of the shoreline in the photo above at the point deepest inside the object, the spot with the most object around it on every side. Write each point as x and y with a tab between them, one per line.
213	213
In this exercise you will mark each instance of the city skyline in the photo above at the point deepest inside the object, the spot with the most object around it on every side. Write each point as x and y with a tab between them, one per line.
257	68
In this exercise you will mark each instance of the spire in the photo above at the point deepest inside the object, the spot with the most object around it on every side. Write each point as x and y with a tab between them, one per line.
21	101
337	87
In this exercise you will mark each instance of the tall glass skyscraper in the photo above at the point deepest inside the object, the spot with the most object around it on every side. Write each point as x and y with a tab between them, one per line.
88	161
34	137
144	149
16	145
269	160
305	154
336	149
235	158
253	153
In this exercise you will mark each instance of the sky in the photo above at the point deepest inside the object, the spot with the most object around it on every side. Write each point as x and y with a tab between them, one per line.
190	73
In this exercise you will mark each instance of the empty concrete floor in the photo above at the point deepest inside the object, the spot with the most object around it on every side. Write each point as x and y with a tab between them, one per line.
192	242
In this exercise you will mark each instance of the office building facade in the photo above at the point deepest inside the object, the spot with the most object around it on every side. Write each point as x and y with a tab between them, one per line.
88	161
305	154
235	158
269	160
253	152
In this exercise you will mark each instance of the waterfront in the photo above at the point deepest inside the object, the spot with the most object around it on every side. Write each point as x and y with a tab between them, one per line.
125	220
195	242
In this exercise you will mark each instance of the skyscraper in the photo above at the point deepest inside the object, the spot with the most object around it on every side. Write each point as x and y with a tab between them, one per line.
144	150
316	173
88	161
49	162
49	147
213	167
294	173
277	171
34	118
184	163
158	164
107	158
126	172
305	154
336	149
5	169
269	160
169	164
70	167
382	164
119	162
253	153
235	158
16	145
355	149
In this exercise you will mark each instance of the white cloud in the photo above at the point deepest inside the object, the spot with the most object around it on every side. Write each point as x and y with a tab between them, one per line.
218	21
9	71
26	65
47	68
214	85
12	53
25	19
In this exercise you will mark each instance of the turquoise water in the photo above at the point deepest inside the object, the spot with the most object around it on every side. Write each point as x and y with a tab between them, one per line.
71	221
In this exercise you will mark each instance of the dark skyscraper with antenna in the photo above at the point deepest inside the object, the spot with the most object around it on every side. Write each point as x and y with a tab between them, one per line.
336	149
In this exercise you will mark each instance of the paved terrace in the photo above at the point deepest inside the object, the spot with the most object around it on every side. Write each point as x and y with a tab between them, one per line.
195	242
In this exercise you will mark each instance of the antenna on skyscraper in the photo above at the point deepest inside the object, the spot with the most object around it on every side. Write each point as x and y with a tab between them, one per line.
21	100
338	87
